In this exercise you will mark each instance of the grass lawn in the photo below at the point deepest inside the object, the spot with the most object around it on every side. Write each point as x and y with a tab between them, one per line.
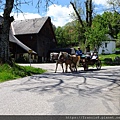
9	73
111	56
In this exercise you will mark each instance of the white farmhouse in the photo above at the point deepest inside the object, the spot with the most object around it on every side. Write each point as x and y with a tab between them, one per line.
108	46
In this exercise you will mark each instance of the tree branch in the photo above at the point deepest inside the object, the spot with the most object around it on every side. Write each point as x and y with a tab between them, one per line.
79	18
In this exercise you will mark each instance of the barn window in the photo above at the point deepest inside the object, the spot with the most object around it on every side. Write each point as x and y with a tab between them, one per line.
105	45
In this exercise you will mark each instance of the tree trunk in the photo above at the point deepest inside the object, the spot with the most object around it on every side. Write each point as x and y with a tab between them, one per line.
4	42
86	5
89	12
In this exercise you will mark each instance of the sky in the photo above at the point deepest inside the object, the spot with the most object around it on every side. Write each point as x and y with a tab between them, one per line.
60	12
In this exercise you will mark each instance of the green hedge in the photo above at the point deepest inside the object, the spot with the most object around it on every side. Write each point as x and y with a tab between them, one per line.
110	61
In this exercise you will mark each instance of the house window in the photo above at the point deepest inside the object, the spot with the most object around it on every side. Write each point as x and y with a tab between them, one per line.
105	45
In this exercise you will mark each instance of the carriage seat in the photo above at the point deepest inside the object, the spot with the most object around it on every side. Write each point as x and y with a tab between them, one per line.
88	56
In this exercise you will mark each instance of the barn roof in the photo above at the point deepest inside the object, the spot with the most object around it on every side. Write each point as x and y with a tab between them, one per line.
13	39
28	26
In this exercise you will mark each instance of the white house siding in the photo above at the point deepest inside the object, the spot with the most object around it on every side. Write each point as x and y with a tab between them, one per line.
108	47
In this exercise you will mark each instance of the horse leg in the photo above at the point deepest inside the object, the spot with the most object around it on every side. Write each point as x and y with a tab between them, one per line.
78	61
56	66
62	67
76	67
71	68
66	67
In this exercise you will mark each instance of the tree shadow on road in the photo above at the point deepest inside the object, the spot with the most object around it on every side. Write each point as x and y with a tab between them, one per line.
84	83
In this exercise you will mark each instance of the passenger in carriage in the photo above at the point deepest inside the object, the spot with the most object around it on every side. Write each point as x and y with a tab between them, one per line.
94	57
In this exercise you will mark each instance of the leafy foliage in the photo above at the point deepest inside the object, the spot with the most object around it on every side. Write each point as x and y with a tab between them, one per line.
72	34
96	34
69	35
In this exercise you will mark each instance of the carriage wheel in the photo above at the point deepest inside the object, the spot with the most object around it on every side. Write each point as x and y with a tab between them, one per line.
85	65
98	64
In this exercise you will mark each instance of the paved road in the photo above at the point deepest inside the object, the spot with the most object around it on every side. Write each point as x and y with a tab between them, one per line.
83	93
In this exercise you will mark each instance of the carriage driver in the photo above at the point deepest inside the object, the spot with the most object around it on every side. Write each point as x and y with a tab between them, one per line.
79	52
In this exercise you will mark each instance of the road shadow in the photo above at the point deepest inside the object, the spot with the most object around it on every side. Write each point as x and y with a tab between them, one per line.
84	83
104	83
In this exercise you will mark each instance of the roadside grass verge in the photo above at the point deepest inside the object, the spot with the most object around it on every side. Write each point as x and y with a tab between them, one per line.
109	56
9	73
112	56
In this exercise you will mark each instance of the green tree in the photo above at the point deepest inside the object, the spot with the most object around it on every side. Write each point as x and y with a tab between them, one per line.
115	7
112	21
95	35
59	36
107	23
86	21
68	35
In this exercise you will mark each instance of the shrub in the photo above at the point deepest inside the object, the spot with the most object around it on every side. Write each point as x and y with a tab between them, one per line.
116	61
108	61
117	52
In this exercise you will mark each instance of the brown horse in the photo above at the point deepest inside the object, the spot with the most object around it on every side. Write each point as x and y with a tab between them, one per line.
59	61
54	57
71	60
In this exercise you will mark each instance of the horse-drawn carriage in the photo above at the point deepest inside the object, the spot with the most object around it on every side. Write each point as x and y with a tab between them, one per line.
90	60
73	61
